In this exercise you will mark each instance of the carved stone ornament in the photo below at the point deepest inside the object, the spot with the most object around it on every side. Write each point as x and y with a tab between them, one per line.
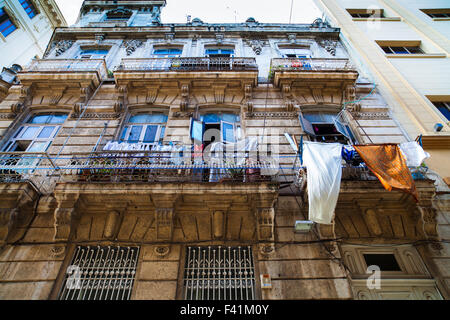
61	47
266	249
265	223
256	44
164	223
162	251
131	45
17	108
329	45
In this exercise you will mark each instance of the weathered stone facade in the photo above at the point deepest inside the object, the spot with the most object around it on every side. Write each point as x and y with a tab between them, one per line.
48	213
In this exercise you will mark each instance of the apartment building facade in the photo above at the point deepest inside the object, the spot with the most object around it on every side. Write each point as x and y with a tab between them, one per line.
143	160
26	27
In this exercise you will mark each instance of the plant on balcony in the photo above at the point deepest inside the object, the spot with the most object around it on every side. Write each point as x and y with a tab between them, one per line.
236	174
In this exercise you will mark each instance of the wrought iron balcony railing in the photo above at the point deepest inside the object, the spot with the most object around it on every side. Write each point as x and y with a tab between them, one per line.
311	64
189	64
68	65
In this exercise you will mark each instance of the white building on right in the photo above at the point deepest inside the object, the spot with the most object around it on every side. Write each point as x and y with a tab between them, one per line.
403	46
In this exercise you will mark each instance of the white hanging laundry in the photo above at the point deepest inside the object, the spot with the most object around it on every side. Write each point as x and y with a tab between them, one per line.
414	153
324	173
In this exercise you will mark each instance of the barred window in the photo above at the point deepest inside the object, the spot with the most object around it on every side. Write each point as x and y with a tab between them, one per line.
219	273
100	273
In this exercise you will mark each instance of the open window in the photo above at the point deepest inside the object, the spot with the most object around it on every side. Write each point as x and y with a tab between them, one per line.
37	134
148	128
216	127
326	127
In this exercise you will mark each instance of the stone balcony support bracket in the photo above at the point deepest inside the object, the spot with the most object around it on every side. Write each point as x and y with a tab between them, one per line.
66	216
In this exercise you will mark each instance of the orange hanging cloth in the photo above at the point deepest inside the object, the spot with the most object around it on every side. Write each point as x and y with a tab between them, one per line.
389	165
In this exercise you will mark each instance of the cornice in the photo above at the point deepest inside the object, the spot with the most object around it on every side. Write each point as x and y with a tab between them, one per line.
441	141
53	13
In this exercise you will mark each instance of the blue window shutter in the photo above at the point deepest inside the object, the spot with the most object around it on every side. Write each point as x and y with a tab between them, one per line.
197	130
306	125
227	130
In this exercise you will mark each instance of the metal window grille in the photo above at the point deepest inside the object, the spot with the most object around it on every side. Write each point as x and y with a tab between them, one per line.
219	273
100	273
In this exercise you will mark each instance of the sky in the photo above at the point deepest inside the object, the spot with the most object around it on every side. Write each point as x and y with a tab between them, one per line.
221	11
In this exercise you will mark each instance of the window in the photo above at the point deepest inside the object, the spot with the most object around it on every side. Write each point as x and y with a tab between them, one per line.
37	134
167	53
216	127
437	13
6	24
219	273
93	54
444	108
145	128
366	13
300	53
402	50
100	273
119	14
386	262
323	127
29	8
219	52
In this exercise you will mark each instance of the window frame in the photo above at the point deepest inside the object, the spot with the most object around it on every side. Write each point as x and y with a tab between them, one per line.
308	128
88	56
405	48
159	135
237	128
219	53
8	18
17	137
30	6
169	54
443	104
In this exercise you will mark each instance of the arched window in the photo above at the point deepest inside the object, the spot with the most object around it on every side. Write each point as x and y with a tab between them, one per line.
37	134
145	128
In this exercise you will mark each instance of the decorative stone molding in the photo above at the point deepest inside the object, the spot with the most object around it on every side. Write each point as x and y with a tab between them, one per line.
96	116
60	47
265	218
112	224
152	94
7	116
131	45
329	45
256	44
219	93
292	37
184	97
66	216
271	115
118	107
8	222
162	251
17	108
371	116
182	114
164	223
169	37
220	37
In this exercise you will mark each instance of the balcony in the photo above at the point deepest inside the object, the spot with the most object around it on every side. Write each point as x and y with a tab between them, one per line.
73	72
190	68
313	69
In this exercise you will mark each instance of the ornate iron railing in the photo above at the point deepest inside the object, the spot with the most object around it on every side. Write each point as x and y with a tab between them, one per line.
36	168
69	65
163	166
311	64
189	64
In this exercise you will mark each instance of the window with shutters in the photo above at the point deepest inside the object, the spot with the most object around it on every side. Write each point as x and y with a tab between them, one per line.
325	127
219	273
216	127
